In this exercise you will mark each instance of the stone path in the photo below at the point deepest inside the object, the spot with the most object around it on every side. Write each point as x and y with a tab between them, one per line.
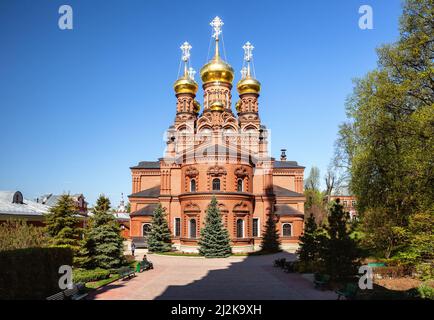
184	278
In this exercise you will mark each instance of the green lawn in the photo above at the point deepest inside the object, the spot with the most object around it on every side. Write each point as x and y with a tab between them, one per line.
97	284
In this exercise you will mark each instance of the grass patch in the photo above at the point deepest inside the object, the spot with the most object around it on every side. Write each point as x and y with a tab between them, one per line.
97	284
179	254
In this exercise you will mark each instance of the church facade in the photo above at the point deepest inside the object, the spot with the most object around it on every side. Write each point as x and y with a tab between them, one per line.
213	151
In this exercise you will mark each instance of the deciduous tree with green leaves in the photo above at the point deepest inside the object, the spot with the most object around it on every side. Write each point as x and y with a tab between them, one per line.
214	239
388	141
18	234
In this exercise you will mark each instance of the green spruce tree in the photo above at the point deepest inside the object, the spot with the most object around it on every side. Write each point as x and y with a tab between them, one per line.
214	239
338	252
103	244
159	238
270	238
308	249
62	224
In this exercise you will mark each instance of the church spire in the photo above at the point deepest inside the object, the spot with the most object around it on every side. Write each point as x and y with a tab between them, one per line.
185	48
217	70
248	84
186	83
217	25
248	55
185	87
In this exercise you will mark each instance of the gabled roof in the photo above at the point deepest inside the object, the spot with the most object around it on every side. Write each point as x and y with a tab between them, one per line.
283	192
287	164
52	199
147	210
153	192
286	210
147	165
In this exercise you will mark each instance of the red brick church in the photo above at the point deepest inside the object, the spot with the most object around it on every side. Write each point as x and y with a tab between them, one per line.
214	150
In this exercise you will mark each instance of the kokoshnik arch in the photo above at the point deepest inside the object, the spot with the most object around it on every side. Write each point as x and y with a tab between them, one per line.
211	151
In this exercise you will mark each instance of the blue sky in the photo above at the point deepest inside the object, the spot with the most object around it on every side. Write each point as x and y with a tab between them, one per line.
79	107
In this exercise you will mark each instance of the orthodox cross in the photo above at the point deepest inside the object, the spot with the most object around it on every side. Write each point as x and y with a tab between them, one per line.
185	48
217	25
248	48
191	73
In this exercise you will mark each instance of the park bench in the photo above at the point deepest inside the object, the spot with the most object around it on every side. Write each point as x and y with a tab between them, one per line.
76	293
126	272
349	291
279	263
140	242
143	266
321	280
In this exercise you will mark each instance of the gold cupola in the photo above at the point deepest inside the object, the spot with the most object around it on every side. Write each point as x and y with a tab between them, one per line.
248	84
217	70
186	83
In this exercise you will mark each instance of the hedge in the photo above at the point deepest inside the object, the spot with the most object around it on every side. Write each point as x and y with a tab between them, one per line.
83	275
32	273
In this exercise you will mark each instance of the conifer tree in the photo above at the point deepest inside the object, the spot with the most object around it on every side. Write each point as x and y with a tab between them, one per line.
62	224
103	244
338	252
308	249
159	238
214	239
270	239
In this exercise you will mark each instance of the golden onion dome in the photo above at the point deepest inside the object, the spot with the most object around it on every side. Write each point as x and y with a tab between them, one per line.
217	106
248	85
217	70
185	85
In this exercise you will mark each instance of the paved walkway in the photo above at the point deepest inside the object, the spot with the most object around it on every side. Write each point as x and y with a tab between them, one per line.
179	278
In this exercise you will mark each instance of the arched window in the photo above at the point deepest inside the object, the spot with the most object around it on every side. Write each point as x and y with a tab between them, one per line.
240	185
193	228
192	185
17	198
146	228
216	184
287	230
240	228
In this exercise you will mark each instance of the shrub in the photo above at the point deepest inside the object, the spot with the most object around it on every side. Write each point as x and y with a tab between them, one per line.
129	259
32	273
426	291
392	271
17	234
84	276
425	271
